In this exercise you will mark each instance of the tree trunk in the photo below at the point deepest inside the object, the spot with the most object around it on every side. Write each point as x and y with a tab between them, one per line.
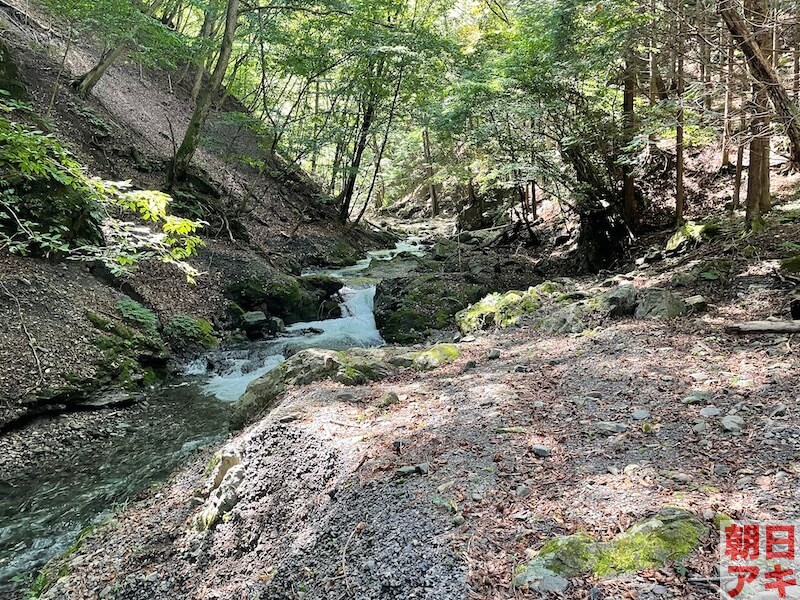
737	181
358	154
206	30
761	69
630	209
191	140
86	83
426	149
679	189
726	120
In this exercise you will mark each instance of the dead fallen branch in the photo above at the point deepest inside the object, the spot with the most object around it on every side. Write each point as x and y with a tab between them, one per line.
764	327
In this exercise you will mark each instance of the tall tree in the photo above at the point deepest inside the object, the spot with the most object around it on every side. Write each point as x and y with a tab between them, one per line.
191	139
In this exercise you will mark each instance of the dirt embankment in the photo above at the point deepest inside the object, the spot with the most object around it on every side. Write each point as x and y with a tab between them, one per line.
124	131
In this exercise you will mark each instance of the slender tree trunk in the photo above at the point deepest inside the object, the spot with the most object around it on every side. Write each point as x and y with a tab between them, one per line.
727	126
358	154
630	210
191	139
737	181
86	83
758	171
60	72
206	30
426	149
761	69
679	189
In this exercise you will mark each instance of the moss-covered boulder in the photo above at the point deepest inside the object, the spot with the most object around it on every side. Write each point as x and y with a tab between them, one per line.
290	298
791	264
350	367
435	357
691	234
669	536
498	310
188	334
408	308
658	303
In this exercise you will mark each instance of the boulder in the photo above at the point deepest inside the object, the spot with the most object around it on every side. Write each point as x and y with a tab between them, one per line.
696	304
435	357
658	303
618	301
669	535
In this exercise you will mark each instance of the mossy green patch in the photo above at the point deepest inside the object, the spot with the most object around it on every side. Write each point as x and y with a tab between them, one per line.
669	536
188	333
498	310
692	233
138	316
436	356
791	264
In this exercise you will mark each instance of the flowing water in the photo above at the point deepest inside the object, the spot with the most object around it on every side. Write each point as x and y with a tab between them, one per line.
41	516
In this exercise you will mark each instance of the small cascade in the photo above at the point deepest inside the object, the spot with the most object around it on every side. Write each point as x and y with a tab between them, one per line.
233	369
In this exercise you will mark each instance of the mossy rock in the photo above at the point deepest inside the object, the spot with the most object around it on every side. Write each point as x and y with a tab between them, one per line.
436	356
290	298
691	234
138	316
186	333
669	536
791	264
408	308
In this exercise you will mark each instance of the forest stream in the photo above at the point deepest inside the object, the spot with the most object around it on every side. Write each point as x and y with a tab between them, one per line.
41	516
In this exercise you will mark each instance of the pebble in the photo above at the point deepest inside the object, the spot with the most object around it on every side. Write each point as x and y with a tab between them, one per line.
458	519
493	354
696	397
660	590
640	414
541	451
778	411
521	369
476	497
470	364
523	491
596	395
700	427
710	411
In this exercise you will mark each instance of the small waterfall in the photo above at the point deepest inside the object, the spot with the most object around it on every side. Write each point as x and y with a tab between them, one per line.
234	369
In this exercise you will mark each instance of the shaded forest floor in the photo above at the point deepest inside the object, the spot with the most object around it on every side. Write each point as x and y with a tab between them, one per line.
323	513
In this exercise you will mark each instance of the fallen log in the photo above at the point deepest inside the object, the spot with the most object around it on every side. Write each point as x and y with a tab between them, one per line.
764	327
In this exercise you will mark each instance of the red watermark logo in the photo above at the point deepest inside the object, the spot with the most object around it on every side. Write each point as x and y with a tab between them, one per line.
758	560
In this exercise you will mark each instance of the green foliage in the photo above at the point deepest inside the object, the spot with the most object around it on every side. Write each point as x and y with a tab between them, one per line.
137	315
187	333
49	206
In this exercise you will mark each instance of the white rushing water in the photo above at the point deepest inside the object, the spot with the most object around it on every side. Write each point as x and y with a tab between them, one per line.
235	369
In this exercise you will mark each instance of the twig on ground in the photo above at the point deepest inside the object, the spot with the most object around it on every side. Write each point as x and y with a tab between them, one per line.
31	339
359	527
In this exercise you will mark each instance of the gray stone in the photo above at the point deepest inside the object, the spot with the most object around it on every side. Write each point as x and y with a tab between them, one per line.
523	491
255	317
700	427
640	414
696	397
458	519
407	470
619	301
552	583
494	353
732	423
540	450
658	303
710	411
778	411
610	427
696	304
387	399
